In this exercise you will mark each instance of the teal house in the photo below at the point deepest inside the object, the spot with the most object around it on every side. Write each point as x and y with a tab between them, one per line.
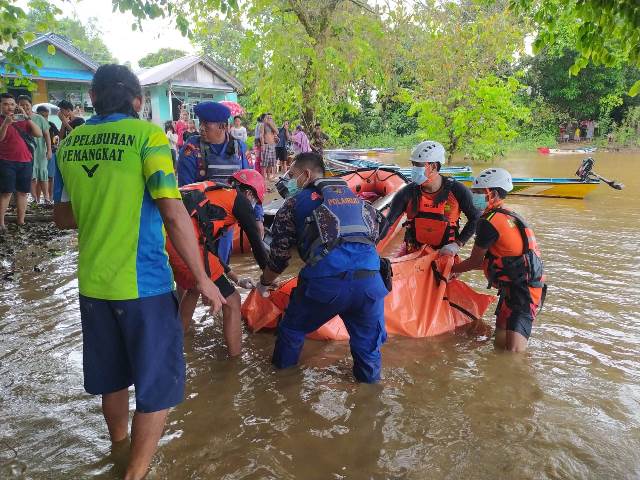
66	75
184	82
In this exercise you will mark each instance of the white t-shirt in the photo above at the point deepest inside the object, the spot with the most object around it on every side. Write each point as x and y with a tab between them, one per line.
240	133
173	140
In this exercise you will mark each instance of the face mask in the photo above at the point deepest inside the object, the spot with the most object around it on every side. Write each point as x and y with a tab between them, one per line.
417	175
480	201
292	185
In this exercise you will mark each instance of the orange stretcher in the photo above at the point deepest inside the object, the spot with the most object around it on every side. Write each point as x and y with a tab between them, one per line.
423	303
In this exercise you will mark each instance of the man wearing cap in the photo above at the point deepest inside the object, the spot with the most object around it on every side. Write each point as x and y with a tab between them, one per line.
433	204
213	155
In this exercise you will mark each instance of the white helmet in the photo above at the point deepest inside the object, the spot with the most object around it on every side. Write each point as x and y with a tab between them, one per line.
494	178
428	152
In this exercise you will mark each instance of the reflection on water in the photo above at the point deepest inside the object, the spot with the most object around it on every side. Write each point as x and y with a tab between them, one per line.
449	407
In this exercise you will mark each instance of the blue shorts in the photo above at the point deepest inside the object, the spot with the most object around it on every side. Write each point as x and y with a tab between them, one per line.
15	176
134	342
51	167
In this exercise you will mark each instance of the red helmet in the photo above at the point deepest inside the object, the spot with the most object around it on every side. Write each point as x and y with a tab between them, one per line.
253	179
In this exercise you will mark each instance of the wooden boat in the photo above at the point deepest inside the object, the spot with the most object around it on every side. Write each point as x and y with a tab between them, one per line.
549	187
566	151
367	152
338	166
541	187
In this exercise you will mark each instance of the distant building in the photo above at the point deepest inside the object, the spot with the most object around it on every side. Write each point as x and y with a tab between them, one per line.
184	82
66	75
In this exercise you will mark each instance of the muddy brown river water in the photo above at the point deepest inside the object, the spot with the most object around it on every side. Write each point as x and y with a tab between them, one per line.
448	407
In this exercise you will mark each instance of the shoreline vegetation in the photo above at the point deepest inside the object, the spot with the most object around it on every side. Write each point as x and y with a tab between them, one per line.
520	144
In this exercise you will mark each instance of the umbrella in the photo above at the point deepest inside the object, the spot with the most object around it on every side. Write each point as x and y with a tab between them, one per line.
236	108
53	109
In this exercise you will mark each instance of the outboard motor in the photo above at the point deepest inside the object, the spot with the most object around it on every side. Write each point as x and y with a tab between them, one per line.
584	172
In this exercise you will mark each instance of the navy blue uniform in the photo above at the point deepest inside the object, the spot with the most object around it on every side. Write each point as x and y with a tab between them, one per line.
345	282
218	165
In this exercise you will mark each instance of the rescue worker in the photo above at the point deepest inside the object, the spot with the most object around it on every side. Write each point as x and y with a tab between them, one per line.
213	155
214	208
433	204
335	233
506	249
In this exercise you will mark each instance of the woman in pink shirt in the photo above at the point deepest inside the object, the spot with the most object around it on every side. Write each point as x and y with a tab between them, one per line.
181	126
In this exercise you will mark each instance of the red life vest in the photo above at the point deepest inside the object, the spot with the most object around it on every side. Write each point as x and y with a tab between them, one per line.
436	220
210	206
514	258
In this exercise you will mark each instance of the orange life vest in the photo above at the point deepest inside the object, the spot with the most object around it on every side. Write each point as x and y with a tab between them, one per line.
514	258
436	220
210	206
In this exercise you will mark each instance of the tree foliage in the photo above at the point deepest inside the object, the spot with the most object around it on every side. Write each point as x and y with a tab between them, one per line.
13	39
84	36
163	55
19	27
463	90
607	32
477	121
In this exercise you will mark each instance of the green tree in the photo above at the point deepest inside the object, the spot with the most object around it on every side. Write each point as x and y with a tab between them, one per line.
13	39
221	40
586	95
606	32
462	66
163	55
86	37
478	120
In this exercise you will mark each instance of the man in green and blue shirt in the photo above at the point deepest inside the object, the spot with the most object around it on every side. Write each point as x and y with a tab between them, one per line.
115	183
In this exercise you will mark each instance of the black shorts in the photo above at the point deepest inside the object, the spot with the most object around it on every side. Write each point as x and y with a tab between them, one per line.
518	307
15	176
282	154
225	286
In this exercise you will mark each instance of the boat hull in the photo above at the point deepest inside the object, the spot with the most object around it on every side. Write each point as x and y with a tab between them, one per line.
550	188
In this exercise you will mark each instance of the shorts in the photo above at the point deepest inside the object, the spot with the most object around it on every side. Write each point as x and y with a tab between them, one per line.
134	342
517	308
268	155
15	176
281	154
51	167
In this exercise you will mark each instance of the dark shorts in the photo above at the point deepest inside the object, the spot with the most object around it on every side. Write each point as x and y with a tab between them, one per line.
282	154
517	309
225	286
15	176
51	167
134	342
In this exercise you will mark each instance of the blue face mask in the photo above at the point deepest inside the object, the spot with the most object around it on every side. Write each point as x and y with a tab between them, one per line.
417	175
479	201
292	186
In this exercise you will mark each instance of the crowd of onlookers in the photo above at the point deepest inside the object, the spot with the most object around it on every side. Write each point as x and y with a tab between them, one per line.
577	132
273	146
28	141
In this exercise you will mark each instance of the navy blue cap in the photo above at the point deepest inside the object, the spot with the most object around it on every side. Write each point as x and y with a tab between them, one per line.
212	112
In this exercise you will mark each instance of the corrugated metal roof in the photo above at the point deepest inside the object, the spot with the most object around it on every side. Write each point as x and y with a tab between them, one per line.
61	43
166	71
